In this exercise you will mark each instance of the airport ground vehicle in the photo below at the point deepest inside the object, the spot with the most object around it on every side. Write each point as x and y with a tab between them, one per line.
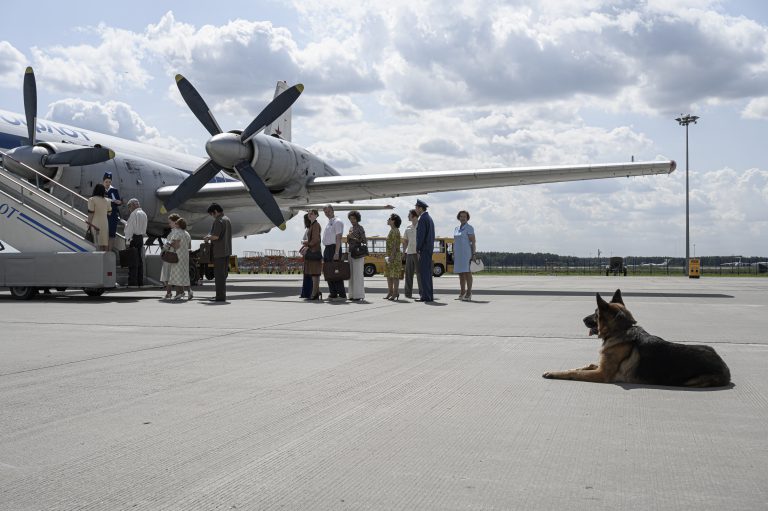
442	257
28	272
616	267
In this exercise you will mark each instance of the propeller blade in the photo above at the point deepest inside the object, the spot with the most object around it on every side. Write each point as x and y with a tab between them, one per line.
260	192
79	157
30	103
195	102
191	185
272	111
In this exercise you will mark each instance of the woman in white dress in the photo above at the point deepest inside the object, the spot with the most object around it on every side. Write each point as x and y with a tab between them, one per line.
179	242
165	270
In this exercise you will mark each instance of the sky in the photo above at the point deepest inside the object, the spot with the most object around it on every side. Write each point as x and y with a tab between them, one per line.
399	86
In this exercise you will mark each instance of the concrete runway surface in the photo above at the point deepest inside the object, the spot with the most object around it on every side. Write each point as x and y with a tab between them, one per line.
268	402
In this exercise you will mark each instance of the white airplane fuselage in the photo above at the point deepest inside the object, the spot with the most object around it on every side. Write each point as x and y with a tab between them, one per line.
139	170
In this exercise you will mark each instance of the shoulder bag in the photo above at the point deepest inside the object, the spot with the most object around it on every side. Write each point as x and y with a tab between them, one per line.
359	250
169	257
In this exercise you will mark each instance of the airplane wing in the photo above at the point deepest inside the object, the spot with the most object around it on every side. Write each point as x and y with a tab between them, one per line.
332	189
364	187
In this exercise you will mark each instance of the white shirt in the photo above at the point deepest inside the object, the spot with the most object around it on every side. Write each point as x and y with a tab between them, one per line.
137	224
334	227
410	237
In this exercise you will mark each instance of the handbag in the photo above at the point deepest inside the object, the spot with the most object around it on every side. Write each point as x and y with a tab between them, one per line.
335	271
89	236
204	253
169	257
359	250
303	250
313	255
476	265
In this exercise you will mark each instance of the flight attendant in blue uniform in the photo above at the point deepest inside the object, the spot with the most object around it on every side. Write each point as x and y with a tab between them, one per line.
114	215
425	245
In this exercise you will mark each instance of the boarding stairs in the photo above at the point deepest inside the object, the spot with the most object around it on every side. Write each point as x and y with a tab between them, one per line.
35	219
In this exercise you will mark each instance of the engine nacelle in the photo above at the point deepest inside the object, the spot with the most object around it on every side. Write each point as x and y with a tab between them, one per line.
283	165
29	156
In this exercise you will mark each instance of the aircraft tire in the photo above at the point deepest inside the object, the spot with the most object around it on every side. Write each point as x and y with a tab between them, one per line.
23	293
94	291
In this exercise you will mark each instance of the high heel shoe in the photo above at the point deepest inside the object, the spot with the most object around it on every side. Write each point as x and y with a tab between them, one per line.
318	296
388	297
189	295
467	297
394	298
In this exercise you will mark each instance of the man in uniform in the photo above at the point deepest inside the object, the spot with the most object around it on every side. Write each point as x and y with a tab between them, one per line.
425	245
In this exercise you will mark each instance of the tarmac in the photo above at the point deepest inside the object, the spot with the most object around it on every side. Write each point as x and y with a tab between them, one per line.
270	402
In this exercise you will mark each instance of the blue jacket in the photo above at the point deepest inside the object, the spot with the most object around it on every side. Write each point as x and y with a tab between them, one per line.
425	234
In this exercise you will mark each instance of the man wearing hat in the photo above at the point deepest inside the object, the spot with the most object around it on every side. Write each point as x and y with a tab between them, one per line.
114	216
425	245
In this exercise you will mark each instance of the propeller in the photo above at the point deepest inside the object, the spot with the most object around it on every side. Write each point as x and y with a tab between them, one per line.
43	155
232	151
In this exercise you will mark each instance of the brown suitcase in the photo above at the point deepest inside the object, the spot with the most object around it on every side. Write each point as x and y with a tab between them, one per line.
336	270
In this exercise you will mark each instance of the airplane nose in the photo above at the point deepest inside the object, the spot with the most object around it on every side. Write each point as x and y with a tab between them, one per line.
226	149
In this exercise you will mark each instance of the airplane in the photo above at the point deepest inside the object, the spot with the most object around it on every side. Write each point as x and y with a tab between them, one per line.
258	175
665	263
736	263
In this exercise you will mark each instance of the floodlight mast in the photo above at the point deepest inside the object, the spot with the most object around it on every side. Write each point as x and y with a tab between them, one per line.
685	121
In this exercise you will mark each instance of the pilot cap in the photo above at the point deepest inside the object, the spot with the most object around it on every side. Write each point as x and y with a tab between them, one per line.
421	204
107	175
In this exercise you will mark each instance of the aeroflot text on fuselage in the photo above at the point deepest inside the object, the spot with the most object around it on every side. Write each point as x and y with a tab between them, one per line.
49	127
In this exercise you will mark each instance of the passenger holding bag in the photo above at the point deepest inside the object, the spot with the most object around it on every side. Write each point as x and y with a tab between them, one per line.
358	249
313	264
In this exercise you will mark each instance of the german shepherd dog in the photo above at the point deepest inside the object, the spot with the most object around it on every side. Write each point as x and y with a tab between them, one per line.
629	354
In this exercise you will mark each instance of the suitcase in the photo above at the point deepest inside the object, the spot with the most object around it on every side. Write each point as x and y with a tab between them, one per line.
336	270
127	257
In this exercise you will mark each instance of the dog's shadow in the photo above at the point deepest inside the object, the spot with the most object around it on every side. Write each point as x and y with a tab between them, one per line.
633	386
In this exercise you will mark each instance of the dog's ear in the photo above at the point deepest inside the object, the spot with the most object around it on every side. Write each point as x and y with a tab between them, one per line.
601	304
617	297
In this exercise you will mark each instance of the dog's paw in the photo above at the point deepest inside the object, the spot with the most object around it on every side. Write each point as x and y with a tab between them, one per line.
590	367
547	375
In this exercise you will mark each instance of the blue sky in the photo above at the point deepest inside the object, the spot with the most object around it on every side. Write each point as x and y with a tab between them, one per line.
403	86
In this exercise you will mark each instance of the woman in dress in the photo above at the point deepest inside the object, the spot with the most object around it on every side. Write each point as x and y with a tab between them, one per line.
356	237
98	209
463	252
165	270
313	267
179	241
393	268
113	217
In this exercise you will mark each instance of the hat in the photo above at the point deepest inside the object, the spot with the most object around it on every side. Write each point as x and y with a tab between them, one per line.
107	175
421	204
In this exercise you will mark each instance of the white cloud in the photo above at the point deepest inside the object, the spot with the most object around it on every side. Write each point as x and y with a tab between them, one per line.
12	64
113	118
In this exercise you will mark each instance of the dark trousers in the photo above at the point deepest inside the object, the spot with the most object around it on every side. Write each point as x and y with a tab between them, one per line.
425	277
306	287
334	288
411	269
136	269
220	265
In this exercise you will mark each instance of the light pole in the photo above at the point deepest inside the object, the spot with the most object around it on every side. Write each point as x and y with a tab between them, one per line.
685	121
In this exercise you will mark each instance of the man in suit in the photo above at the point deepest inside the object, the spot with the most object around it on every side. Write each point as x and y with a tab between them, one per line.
425	244
221	248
